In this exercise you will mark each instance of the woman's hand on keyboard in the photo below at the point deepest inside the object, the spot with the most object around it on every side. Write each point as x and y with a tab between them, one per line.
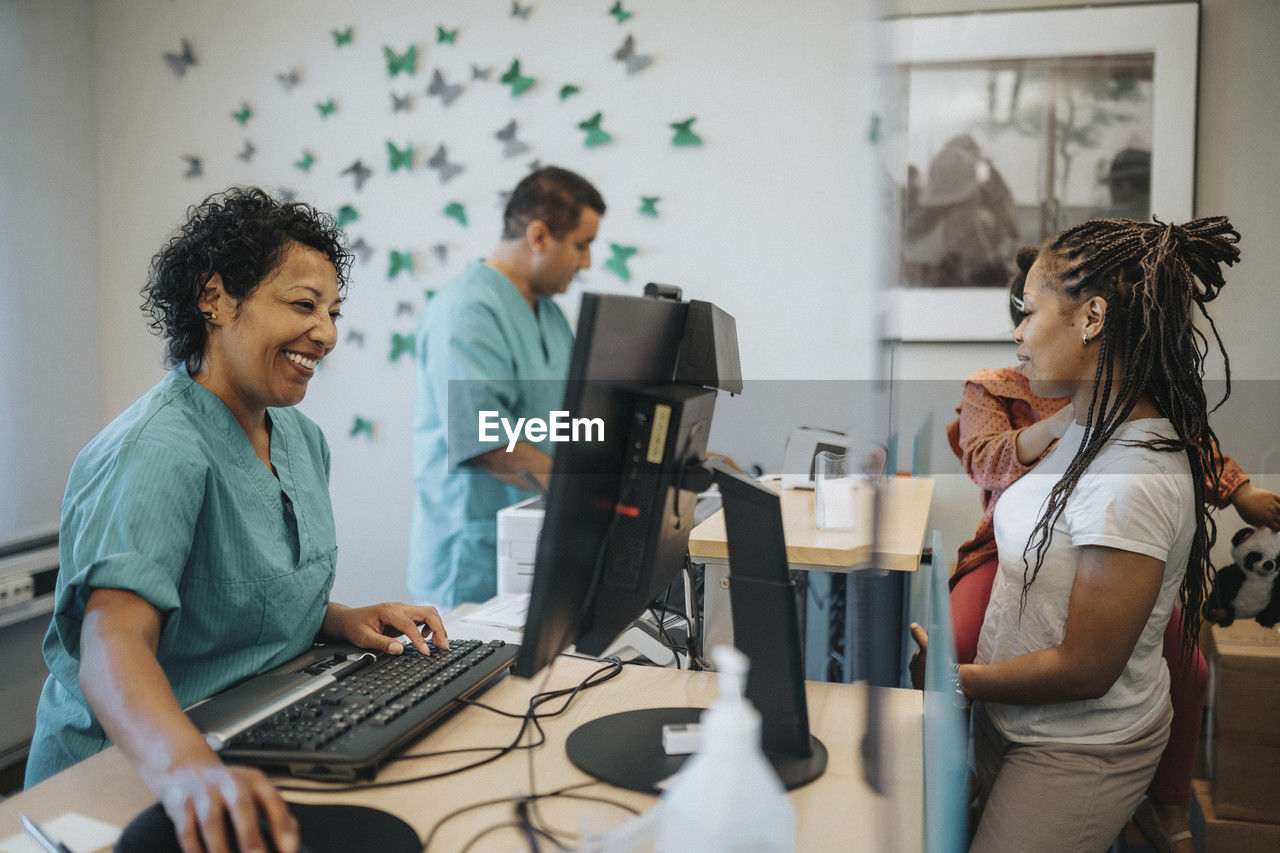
368	627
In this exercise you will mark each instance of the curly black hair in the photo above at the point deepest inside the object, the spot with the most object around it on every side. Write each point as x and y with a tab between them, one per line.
238	234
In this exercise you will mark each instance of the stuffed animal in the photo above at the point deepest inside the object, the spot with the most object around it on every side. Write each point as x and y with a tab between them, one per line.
1251	585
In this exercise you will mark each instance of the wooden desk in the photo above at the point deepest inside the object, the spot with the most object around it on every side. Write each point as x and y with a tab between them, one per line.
903	519
838	809
896	548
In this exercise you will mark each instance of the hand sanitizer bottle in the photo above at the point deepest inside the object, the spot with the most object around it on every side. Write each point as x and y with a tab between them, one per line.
727	797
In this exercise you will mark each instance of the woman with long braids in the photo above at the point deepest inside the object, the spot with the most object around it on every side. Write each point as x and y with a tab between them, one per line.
1100	541
1002	431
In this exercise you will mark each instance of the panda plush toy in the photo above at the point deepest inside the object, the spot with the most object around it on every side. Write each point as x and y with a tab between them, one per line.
1251	585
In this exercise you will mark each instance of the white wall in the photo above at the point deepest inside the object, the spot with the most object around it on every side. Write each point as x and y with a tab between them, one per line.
756	220
50	344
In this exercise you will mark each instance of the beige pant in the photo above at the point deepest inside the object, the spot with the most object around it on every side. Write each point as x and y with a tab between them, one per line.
1059	796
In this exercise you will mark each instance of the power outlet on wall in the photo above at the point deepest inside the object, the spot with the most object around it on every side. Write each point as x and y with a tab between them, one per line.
15	590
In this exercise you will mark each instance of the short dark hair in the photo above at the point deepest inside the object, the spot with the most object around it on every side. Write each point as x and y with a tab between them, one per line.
554	195
238	234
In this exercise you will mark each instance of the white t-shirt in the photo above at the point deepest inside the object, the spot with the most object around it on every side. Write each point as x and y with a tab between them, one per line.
1130	498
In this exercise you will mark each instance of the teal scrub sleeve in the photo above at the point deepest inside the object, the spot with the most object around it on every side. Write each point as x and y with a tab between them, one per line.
473	367
132	525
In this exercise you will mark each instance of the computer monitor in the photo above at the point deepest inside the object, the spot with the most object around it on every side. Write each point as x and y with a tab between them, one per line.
619	513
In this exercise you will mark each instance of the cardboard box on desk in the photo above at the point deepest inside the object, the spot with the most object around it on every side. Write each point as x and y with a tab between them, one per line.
1244	724
1233	836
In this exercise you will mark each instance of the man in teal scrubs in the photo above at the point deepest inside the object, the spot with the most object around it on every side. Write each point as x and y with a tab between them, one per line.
492	341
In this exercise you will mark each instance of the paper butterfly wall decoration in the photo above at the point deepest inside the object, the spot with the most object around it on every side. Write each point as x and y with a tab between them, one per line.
194	169
478	73
684	134
359	171
455	210
399	158
511	147
289	79
361	426
595	134
346	215
649	205
326	108
363	250
400	262
401	103
439	161
404	309
513	78
180	62
521	12
618	263
355	338
341	37
568	90
243	114
444	36
246	153
448	92
398	63
308	160
402	345
627	54
618	12
441	252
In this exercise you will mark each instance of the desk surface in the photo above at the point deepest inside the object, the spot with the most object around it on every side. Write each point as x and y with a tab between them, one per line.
903	519
839	805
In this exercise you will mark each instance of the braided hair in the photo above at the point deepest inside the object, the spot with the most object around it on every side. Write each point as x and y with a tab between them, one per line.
1154	277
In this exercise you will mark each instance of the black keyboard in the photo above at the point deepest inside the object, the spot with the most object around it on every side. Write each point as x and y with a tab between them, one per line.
344	729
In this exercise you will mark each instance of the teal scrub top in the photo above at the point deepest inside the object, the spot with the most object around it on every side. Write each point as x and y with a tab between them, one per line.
171	502
480	347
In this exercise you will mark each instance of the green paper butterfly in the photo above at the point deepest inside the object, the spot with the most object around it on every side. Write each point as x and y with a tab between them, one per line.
400	262
618	12
326	108
361	426
402	345
684	133
455	210
400	158
346	215
648	205
308	160
568	91
444	36
513	78
618	263
341	37
595	135
427	294
242	115
406	62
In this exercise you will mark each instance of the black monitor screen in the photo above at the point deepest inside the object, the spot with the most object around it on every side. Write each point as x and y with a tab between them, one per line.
624	344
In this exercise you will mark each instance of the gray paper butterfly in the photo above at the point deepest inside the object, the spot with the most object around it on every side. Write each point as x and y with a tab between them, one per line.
289	79
627	53
447	92
194	169
401	103
180	62
246	153
511	147
364	250
440	162
360	171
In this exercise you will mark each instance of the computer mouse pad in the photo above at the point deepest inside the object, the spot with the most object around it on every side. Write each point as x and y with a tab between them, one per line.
324	828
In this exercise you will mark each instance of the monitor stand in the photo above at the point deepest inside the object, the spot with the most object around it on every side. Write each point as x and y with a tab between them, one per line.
626	750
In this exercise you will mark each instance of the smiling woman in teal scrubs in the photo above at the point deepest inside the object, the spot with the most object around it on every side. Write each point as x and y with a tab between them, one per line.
197	543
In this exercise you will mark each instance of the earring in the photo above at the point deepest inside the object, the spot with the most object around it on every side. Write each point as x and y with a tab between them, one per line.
209	315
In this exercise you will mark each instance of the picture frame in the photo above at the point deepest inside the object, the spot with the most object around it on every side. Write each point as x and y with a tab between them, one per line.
1134	70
